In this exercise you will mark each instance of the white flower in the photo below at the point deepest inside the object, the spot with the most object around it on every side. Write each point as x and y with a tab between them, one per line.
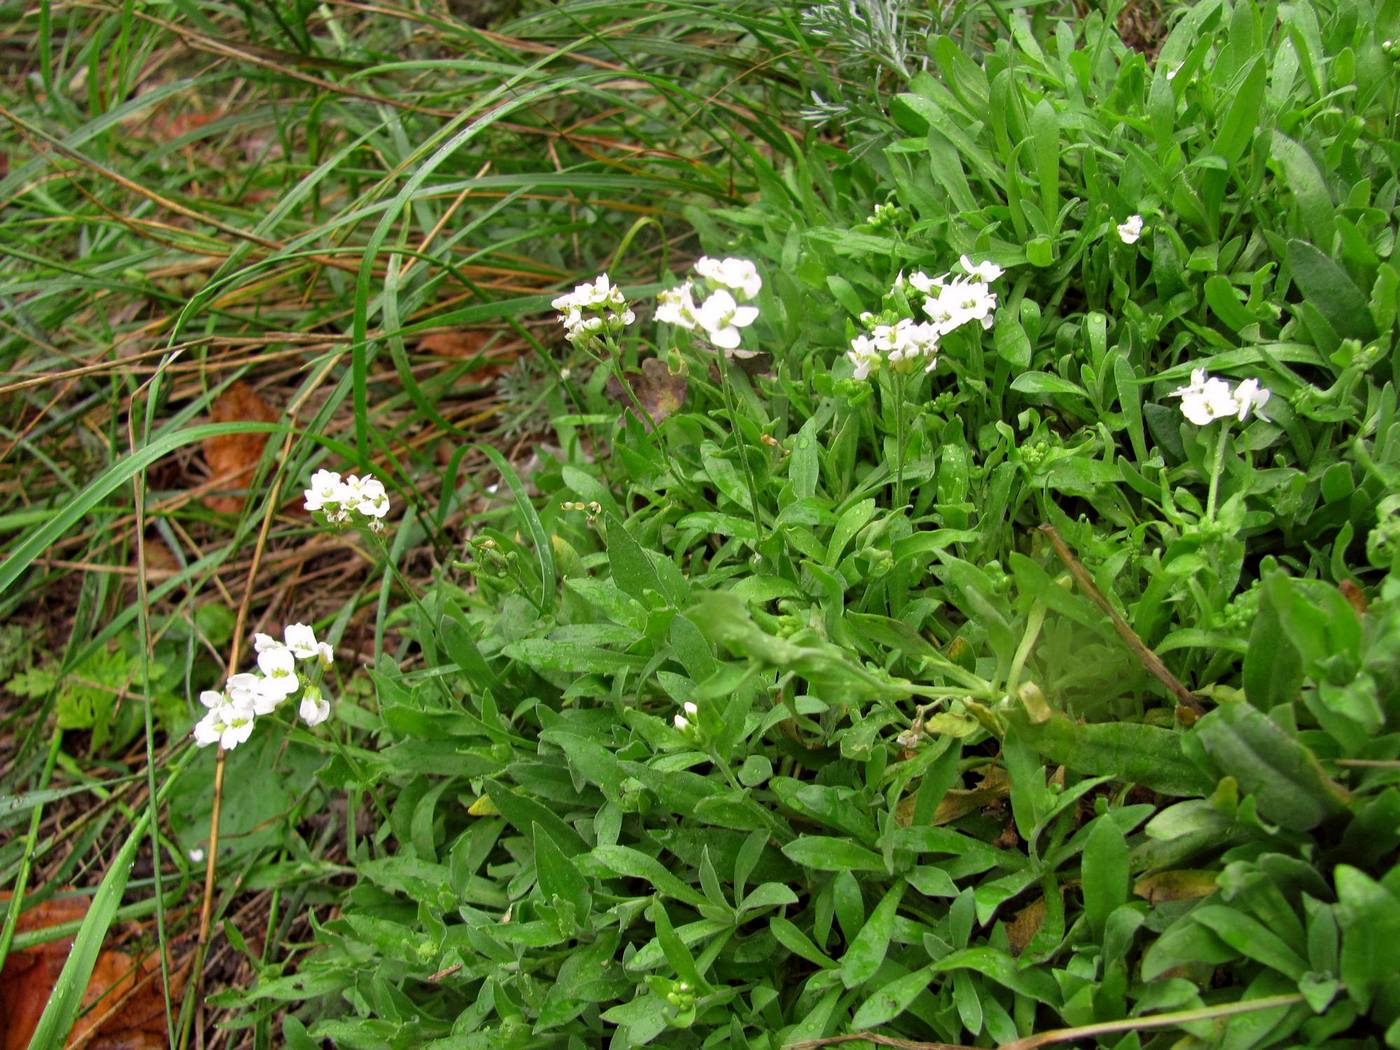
1208	398
689	708
211	699
738	275
249	692
1131	230
924	283
960	301
227	725
591	309
676	306
372	501
722	317
280	677
682	723
263	642
315	708
864	356
903	344
352	500
986	271
196	855
326	490
593	294
1249	394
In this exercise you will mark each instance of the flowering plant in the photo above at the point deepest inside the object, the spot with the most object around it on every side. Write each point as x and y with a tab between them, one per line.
349	501
720	316
246	696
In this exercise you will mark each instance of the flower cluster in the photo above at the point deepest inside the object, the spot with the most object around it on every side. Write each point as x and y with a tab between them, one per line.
903	344
886	217
720	316
689	712
229	715
950	302
592	311
1208	398
349	501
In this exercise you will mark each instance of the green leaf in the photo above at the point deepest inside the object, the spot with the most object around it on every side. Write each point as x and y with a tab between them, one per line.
557	875
1251	938
632	570
1237	129
1273	669
867	950
1045	383
825	853
1303	179
1276	768
1104	872
851	522
890	1000
544	550
804	468
523	813
634	864
550	655
1130	751
1369	915
1327	287
677	954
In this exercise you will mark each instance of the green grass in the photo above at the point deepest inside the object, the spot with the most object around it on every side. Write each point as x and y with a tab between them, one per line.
1021	703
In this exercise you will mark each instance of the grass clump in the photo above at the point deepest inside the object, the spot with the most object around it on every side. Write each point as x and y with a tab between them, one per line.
975	652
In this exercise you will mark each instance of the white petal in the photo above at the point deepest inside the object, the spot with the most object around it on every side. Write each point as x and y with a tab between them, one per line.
728	338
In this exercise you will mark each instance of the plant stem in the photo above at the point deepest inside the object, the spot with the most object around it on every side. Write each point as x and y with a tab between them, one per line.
743	452
1215	471
901	438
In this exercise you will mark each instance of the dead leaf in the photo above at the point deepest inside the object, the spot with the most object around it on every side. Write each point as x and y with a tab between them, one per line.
464	342
993	788
1184	885
123	1007
1354	595
657	390
29	975
232	458
1025	925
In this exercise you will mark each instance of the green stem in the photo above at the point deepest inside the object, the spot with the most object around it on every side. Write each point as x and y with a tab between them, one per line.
729	404
901	439
1215	471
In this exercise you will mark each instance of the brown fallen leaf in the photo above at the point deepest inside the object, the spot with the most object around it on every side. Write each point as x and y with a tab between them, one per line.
464	342
232	458
28	976
657	390
123	1007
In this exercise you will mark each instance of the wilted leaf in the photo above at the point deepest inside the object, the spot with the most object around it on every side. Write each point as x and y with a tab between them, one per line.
657	390
1025	925
232	458
465	342
123	1007
1183	885
993	789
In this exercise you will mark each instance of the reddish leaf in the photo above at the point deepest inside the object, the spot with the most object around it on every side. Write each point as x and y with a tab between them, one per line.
233	457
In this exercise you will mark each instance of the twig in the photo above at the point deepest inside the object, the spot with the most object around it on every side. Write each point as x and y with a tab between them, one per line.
1171	1019
1149	659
